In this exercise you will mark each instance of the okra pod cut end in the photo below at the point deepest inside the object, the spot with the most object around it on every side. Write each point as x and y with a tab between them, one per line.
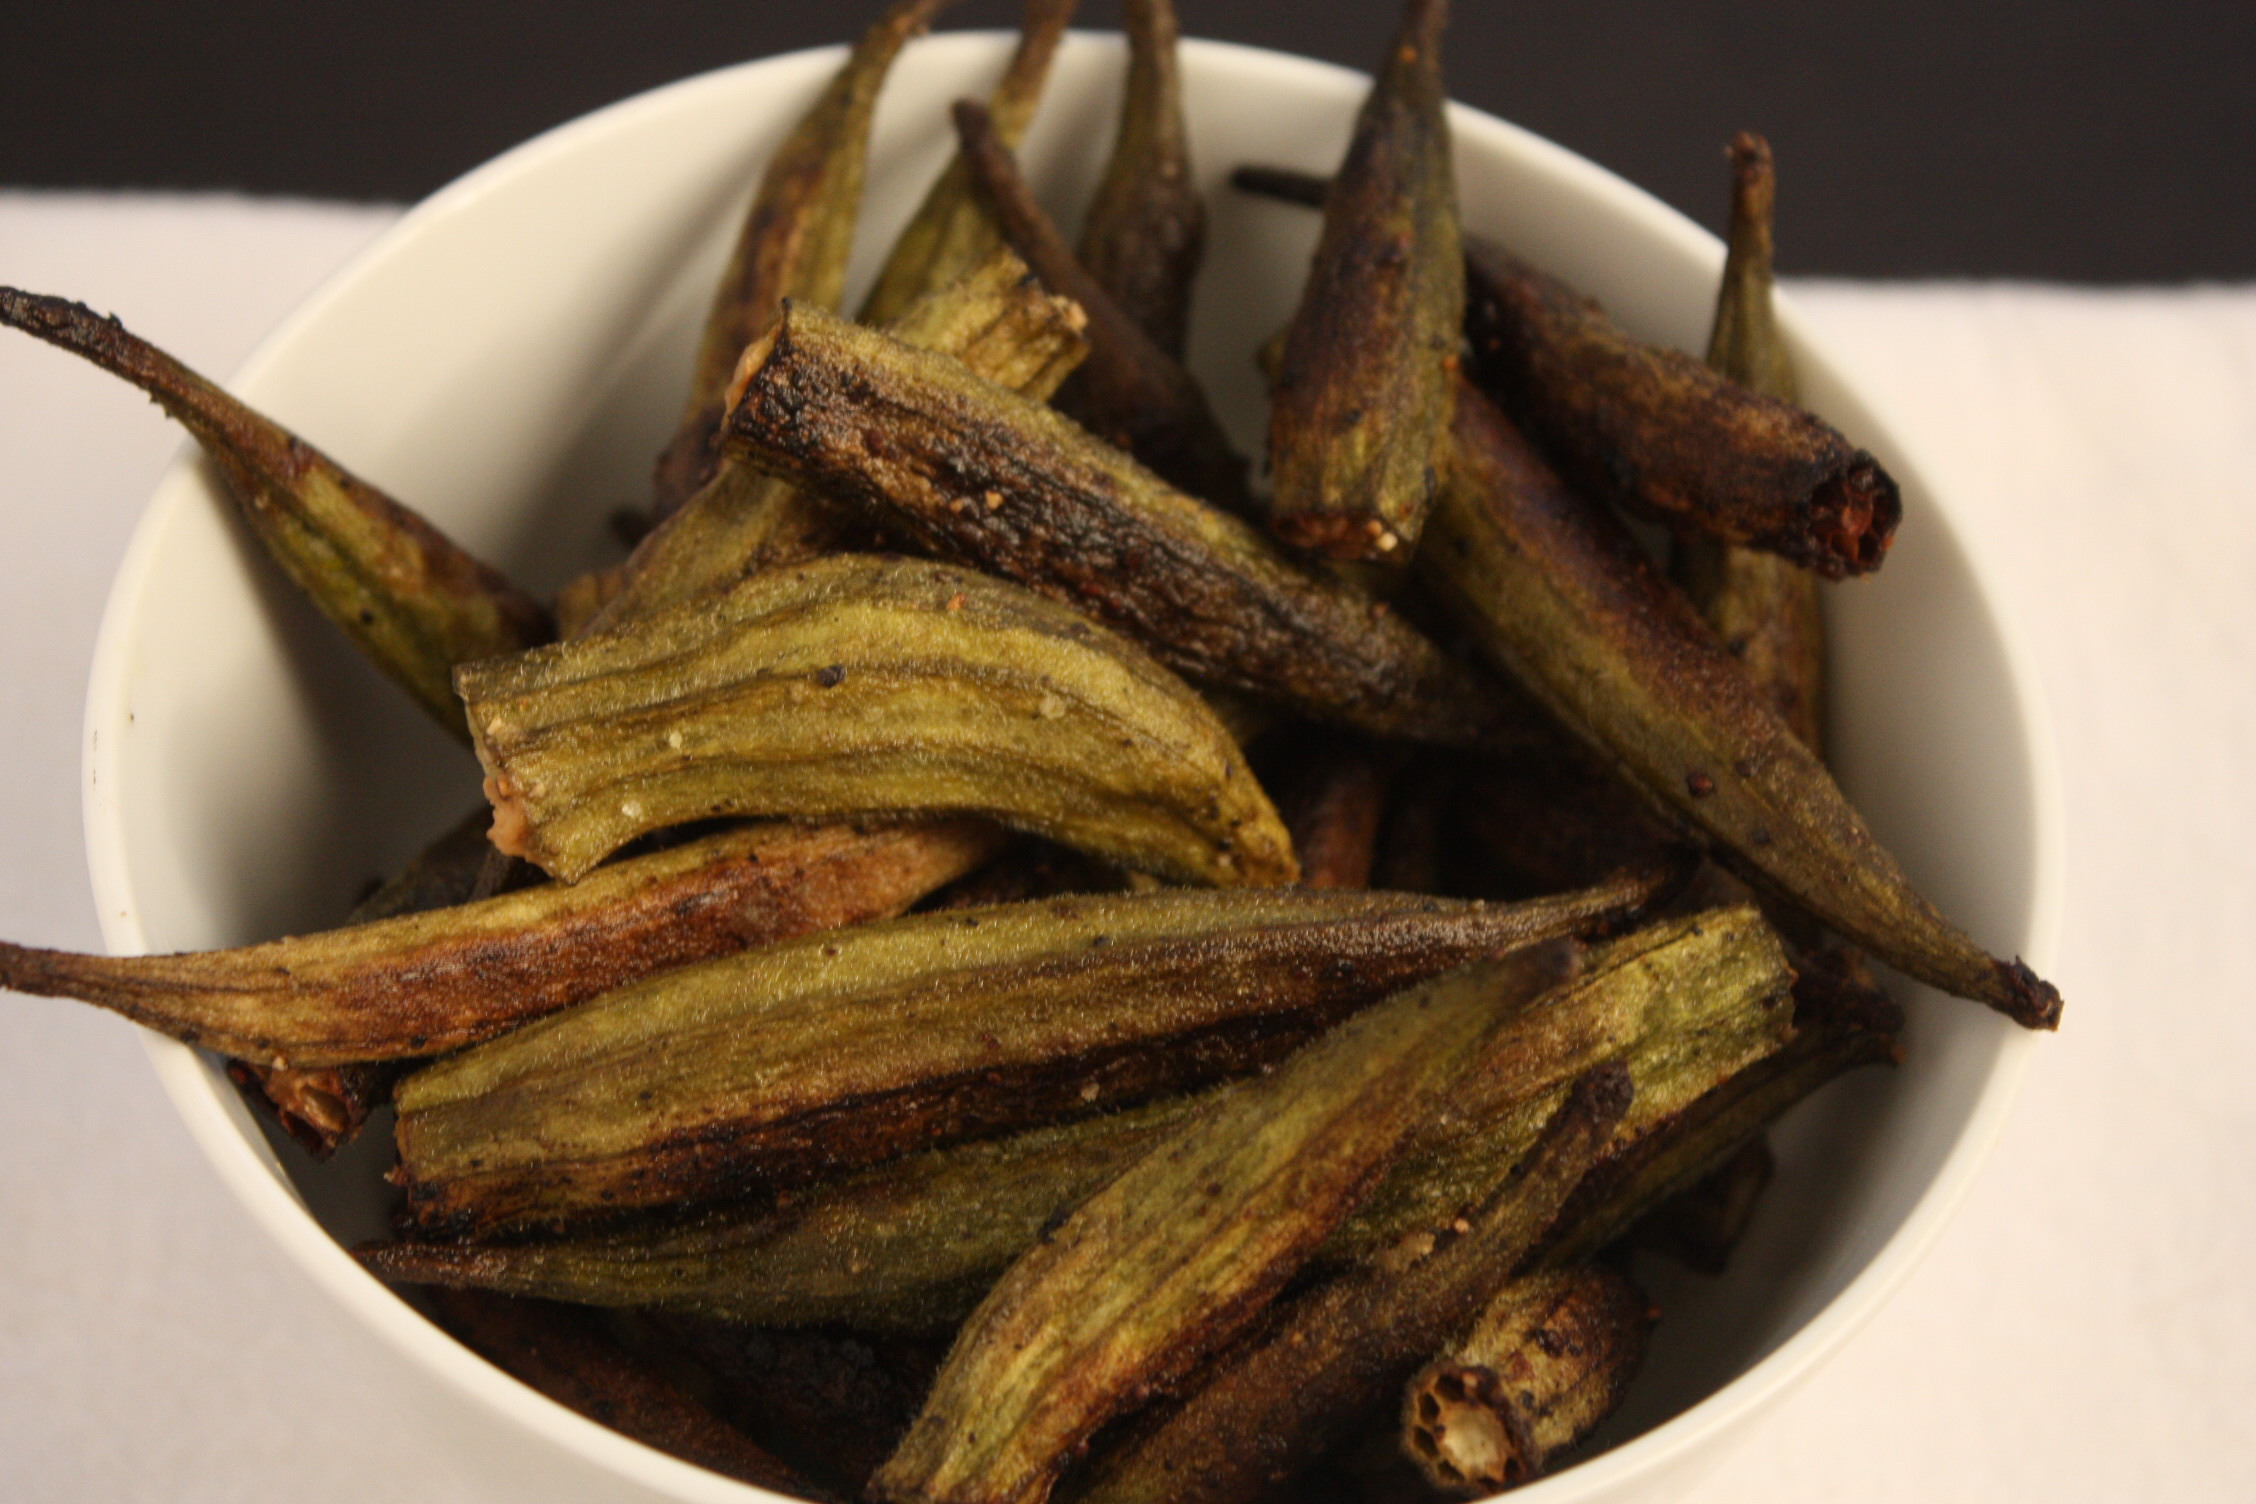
413	601
1551	1357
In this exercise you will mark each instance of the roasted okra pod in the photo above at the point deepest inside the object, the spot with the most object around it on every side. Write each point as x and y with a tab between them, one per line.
821	1054
1362	399
422	984
1560	596
1168	1262
973	472
1146	228
409	598
858	686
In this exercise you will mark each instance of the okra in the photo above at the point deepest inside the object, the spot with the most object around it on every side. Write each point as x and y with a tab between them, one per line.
996	319
794	242
1332	794
1700	1225
1146	228
1267	1411
407	596
1841	1021
858	686
969	471
1170	1261
951	231
911	1245
421	984
1764	608
1361	405
816	1056
1561	597
1548	1359
1130	392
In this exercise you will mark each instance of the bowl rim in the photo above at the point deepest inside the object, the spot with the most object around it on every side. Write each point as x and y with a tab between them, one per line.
196	1089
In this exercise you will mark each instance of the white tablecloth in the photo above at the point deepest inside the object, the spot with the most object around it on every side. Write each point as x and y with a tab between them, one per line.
2085	1330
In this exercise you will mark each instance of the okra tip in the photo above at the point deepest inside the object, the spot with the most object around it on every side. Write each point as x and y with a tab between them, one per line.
2028	999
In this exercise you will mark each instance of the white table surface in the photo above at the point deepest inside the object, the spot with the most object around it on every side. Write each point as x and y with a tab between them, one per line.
2086	1328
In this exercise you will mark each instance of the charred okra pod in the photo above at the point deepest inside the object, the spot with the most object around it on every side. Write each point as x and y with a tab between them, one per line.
1667	437
911	1245
818	1055
1547	1360
1561	597
1146	228
951	231
1361	404
973	472
1700	1225
858	686
409	598
1129	392
1763	608
1168	1262
997	320
422	984
565	1355
1269	1409
795	239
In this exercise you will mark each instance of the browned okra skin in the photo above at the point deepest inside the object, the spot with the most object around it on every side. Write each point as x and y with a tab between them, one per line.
1362	399
972	472
951	231
425	983
996	319
1561	597
1665	436
405	594
1169	1262
1764	608
563	1353
1551	1356
1146	228
1129	392
815	1056
1267	1411
794	242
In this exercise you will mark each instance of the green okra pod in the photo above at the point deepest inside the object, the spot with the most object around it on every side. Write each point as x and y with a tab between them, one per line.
1362	400
1548	1359
567	1356
911	1245
1130	392
1841	1021
855	686
1146	228
1168	1262
815	1056
421	984
795	240
409	598
1765	610
951	231
1269	1410
970	471
1560	596
996	319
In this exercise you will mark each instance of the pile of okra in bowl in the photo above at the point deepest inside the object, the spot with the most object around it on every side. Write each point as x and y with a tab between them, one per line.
1208	837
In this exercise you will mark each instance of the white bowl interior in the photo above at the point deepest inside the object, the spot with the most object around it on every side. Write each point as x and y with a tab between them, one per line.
508	360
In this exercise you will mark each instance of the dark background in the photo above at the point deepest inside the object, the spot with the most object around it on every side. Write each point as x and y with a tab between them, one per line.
2090	140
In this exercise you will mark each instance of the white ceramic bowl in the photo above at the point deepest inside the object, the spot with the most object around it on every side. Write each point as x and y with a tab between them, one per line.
508	359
